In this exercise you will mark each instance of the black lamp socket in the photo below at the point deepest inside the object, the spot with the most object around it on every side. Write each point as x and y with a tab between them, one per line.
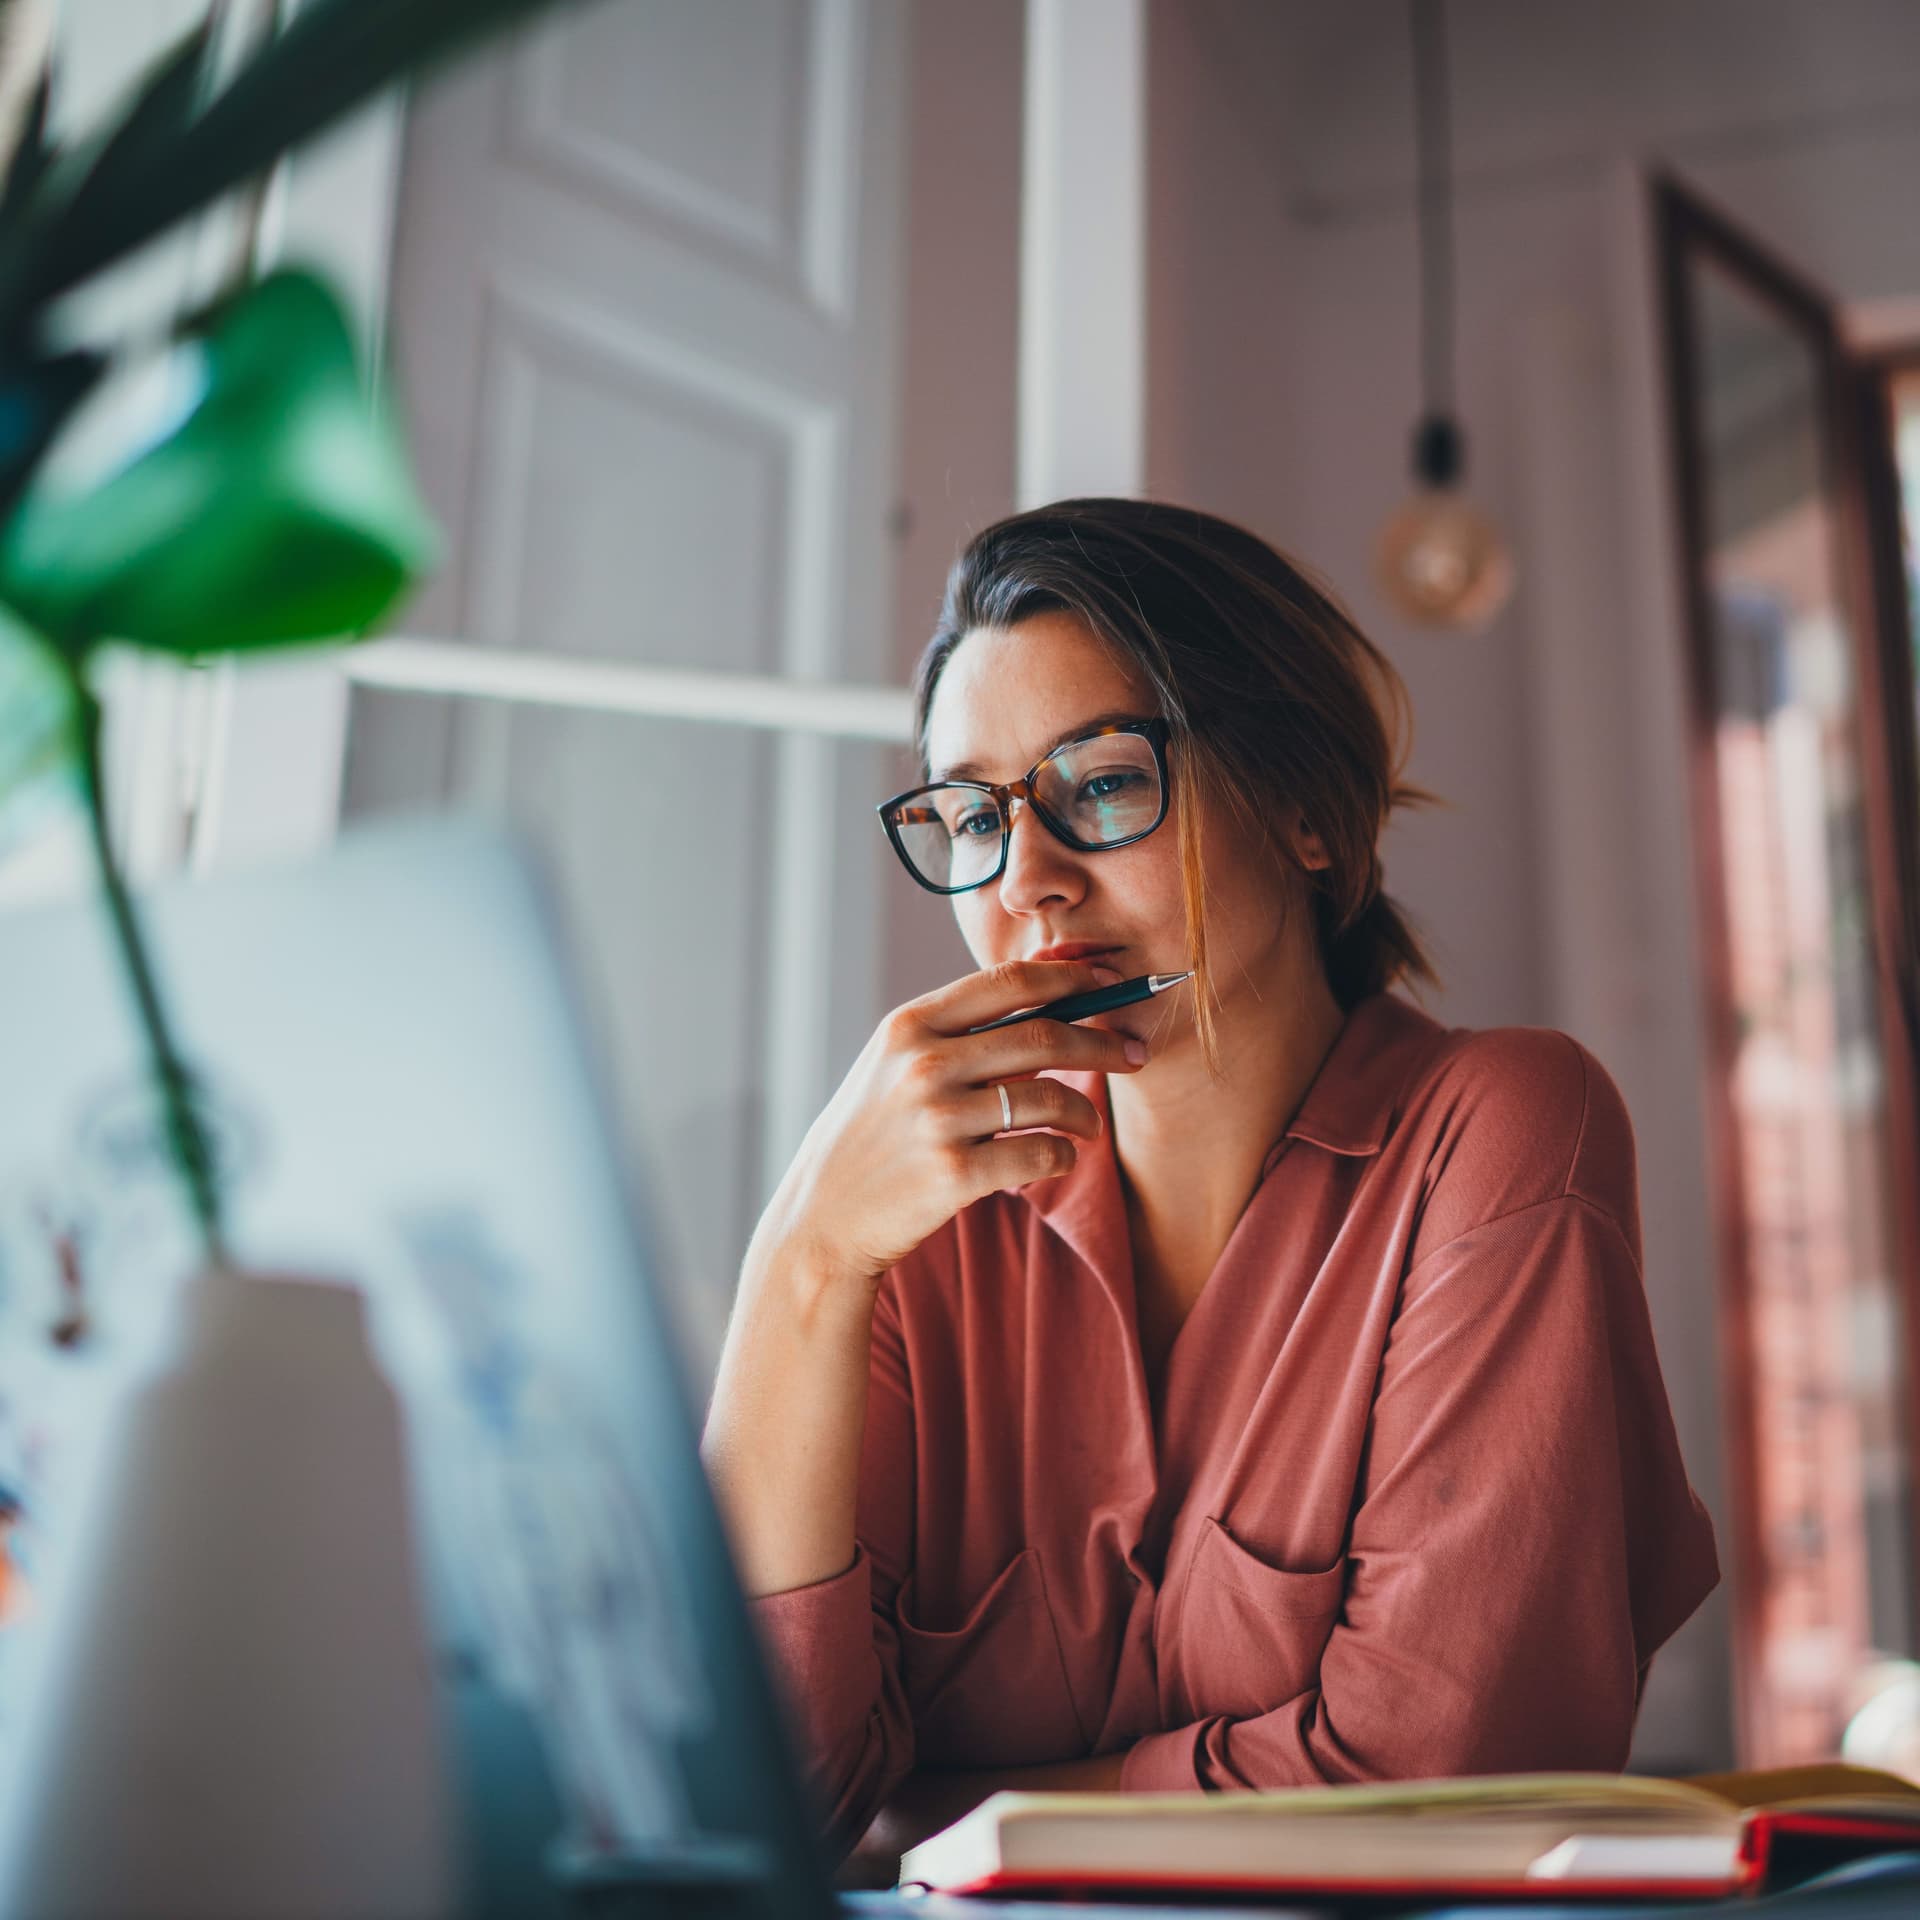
1439	451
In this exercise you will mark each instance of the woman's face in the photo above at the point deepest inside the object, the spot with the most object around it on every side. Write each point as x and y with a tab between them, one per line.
1006	698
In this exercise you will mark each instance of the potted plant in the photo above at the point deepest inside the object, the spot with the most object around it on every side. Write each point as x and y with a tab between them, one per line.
277	510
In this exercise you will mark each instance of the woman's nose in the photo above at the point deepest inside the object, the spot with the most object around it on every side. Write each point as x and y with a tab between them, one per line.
1039	868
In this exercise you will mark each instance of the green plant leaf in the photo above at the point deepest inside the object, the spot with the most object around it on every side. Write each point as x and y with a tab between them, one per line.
35	399
162	106
334	56
280	509
37	763
32	151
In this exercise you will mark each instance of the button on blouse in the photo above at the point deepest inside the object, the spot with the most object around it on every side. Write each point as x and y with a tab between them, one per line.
1413	1504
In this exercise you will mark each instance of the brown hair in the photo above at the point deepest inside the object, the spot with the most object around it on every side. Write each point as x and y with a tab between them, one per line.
1275	697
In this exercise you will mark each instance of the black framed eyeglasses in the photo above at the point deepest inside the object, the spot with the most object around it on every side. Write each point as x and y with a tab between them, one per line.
1105	789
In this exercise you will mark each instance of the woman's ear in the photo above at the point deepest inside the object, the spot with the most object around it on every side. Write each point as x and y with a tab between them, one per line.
1308	848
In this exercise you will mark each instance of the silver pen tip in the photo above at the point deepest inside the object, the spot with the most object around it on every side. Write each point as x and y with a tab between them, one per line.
1160	982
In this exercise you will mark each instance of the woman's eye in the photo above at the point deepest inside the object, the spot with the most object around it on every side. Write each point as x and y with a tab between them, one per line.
1103	786
972	825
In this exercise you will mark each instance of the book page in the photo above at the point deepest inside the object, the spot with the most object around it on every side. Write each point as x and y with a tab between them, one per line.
1489	1795
1772	1786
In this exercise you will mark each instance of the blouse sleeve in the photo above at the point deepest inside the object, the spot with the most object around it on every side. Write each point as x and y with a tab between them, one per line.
832	1645
1525	1535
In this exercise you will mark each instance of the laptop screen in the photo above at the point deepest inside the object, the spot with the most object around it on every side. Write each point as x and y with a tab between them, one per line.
401	1096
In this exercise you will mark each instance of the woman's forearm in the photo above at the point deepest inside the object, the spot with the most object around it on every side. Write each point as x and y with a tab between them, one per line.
909	1139
782	1442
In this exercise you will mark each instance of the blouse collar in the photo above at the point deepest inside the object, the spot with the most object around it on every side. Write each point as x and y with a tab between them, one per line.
1350	1104
1349	1108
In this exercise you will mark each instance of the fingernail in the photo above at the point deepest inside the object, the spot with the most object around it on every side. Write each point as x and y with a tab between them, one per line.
1106	976
1137	1052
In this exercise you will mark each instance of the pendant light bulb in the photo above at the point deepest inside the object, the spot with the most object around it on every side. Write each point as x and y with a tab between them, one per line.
1441	561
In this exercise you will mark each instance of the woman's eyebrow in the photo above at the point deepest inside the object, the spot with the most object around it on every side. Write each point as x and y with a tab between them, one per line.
970	770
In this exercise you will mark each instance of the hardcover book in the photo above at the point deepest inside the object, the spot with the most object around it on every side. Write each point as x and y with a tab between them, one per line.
1564	1835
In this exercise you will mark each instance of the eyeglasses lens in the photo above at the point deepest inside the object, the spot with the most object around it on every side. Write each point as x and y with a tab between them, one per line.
1102	791
951	835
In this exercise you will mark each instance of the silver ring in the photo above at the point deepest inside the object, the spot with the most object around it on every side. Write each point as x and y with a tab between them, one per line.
1006	1107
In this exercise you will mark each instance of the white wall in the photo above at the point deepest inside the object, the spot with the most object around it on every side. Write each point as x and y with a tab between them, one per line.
958	383
1224	296
1558	887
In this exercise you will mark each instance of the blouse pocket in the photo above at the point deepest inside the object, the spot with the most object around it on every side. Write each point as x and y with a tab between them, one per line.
1251	1635
992	1691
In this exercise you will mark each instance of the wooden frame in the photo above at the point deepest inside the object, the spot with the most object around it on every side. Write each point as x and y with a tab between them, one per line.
1895	682
1890	766
1863	487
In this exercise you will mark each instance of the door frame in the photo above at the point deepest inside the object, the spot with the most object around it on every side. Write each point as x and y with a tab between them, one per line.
1899	736
1686	225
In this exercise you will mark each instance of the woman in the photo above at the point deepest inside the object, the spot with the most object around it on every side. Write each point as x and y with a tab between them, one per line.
1262	1395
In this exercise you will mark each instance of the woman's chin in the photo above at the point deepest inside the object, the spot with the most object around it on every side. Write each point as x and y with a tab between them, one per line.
1159	1027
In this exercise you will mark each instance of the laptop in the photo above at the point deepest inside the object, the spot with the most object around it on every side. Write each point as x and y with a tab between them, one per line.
401	1093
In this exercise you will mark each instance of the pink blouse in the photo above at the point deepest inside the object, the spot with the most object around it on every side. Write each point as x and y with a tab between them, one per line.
1412	1506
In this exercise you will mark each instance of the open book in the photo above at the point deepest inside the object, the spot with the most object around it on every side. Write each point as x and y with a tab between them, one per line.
1564	1833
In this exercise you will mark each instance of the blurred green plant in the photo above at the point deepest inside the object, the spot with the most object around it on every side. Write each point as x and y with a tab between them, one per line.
275	507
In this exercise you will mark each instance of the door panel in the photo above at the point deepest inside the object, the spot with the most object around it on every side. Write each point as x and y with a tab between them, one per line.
644	316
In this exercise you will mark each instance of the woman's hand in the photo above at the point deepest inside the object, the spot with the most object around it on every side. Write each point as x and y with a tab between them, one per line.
915	1132
908	1141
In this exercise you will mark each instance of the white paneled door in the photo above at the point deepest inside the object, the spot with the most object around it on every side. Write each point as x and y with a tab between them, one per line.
644	320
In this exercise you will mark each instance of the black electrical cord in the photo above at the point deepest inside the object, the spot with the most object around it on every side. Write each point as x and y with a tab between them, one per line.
1437	448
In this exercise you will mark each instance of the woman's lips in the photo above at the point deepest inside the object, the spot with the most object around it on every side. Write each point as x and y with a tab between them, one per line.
1072	950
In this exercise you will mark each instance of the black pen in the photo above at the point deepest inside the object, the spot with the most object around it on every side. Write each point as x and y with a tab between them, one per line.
1082	1006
